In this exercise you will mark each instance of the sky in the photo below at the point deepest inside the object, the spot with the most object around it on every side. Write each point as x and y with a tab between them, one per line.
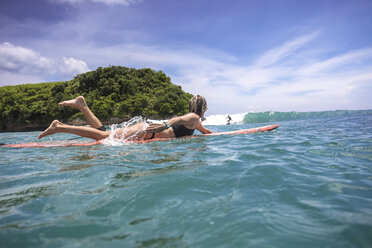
242	55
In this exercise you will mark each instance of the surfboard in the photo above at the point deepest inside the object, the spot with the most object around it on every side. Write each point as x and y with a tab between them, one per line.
72	143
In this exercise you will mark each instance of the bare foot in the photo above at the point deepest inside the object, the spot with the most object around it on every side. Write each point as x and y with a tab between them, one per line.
52	129
78	102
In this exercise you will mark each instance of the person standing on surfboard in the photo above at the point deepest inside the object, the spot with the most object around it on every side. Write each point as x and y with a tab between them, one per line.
176	127
228	118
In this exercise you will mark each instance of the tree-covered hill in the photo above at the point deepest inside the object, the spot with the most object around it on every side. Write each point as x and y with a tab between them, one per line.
114	91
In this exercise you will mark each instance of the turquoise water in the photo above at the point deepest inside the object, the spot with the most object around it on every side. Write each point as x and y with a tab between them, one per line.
306	184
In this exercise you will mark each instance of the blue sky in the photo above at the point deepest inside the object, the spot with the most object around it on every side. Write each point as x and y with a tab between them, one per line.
241	55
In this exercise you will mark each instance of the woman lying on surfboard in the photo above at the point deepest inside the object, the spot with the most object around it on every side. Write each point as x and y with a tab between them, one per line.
173	128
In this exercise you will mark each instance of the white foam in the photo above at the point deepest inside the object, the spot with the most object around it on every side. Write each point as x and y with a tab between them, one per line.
119	139
156	121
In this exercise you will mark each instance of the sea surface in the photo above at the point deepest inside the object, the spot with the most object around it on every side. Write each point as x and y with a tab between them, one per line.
306	184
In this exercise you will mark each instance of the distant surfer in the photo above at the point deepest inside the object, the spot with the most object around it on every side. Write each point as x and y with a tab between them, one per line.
173	128
228	118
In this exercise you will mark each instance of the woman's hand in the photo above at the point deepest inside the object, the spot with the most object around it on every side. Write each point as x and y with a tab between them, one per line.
155	128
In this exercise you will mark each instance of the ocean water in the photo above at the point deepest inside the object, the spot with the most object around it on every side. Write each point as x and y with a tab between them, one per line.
306	184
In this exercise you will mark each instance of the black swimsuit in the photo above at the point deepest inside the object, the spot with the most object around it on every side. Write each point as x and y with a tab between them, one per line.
181	130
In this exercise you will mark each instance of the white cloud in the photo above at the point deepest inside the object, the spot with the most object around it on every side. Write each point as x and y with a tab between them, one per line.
20	59
73	66
276	54
349	58
19	63
295	84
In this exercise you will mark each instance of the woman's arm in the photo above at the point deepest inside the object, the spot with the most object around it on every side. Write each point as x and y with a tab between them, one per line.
202	129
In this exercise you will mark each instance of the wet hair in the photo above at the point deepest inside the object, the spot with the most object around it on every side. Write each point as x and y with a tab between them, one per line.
198	105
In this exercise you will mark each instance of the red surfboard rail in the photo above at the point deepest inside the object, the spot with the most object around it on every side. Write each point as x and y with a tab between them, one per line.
243	131
60	143
72	143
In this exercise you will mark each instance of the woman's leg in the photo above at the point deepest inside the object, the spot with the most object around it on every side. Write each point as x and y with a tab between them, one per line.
88	132
80	104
